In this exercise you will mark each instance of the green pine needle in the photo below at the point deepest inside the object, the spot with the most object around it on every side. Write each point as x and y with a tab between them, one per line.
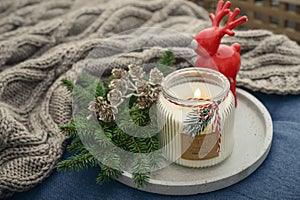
99	89
78	162
140	179
165	62
107	173
76	146
167	58
141	170
139	117
68	84
69	129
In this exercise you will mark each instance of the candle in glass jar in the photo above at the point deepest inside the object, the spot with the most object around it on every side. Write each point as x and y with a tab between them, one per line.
183	92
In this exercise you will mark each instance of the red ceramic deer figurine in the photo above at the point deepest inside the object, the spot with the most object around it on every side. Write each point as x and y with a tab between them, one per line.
211	53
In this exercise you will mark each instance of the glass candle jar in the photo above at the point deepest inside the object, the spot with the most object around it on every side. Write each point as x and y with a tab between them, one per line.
197	112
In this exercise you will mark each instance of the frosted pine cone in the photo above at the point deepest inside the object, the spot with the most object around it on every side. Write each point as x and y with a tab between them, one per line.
115	97
156	76
136	72
119	84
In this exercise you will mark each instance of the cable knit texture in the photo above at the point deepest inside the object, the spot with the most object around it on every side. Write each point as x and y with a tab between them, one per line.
42	42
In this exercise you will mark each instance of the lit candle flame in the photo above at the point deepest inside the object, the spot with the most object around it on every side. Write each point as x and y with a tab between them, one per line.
197	94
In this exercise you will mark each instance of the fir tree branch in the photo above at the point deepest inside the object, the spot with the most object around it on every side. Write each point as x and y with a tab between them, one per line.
109	168
89	88
78	162
140	179
141	170
165	62
139	117
68	84
107	173
76	146
69	129
135	146
83	96
99	90
167	59
155	159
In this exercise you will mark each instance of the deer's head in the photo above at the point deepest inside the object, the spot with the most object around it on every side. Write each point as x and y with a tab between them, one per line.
210	38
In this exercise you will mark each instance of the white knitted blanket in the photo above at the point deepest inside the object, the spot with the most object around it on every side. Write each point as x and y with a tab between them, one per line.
42	42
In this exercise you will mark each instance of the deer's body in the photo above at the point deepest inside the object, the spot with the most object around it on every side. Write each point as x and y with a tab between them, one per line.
211	53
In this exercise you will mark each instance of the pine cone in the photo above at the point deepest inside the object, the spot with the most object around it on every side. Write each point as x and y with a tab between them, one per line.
143	87
155	94
147	96
143	102
119	84
156	76
101	109
136	72
115	97
119	73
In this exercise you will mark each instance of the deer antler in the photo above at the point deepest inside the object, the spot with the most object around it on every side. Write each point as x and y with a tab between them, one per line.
221	12
232	22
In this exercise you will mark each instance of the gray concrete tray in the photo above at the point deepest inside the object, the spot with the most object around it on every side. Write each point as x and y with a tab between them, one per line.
253	136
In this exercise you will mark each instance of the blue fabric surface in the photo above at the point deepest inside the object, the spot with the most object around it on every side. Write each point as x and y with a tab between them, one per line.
277	178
